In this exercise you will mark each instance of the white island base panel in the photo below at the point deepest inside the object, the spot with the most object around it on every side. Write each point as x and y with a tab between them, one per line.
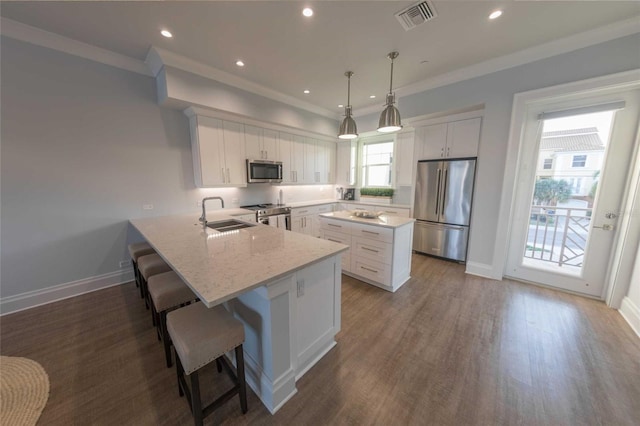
290	324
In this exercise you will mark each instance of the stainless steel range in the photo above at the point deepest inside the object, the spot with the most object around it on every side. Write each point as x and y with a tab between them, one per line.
275	215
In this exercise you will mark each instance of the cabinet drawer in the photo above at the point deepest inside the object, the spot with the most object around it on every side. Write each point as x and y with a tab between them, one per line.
335	225
377	272
336	237
372	232
377	251
302	211
324	208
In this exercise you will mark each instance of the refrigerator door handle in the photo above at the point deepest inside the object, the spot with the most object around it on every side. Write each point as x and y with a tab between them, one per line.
438	191
444	190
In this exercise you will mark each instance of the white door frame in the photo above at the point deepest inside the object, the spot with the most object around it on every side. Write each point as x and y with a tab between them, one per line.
626	234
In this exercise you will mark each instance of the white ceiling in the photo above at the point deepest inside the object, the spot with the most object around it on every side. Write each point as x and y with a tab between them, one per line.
288	53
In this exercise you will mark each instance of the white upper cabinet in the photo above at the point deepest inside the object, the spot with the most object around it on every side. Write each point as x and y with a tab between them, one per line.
345	174
220	148
218	152
234	153
261	144
297	158
285	148
457	139
310	175
403	159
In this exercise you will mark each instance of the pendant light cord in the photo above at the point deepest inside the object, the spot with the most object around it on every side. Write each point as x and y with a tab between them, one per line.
391	80
349	90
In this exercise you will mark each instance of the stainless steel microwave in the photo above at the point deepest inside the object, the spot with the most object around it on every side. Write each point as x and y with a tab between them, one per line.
264	171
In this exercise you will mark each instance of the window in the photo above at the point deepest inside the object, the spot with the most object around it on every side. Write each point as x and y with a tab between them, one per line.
548	163
579	161
377	159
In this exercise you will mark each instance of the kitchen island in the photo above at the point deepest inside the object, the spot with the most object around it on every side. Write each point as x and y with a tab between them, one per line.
380	246
284	287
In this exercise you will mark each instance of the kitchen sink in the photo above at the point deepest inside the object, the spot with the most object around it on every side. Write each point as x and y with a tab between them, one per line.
229	225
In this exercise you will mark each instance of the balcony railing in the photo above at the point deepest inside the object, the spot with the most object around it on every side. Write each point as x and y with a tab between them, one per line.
558	235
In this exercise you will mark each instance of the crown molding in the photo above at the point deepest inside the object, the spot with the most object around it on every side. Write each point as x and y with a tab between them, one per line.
158	58
542	51
33	35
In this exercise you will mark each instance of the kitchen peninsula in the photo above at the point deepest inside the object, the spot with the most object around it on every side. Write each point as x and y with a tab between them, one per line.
283	286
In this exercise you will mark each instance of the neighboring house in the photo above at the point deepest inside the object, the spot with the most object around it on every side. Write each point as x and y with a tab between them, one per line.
574	155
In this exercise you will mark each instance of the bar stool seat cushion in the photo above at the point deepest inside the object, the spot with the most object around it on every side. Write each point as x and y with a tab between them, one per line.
201	334
167	290
152	264
137	250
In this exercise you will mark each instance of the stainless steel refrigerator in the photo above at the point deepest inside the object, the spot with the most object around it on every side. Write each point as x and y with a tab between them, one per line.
442	208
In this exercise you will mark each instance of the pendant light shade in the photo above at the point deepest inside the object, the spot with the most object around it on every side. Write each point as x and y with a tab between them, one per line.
348	128
390	117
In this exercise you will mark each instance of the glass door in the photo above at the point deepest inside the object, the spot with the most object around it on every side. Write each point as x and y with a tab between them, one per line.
569	194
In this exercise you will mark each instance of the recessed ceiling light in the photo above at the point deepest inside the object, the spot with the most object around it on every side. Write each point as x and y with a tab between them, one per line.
372	96
306	92
239	63
495	14
307	11
166	33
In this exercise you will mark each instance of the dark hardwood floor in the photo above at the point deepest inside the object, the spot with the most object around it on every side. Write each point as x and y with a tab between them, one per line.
446	349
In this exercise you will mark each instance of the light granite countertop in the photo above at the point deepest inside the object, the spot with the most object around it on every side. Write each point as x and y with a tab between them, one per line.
219	266
387	221
330	201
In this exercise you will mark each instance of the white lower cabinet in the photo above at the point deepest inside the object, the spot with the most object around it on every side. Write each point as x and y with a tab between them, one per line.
378	255
306	220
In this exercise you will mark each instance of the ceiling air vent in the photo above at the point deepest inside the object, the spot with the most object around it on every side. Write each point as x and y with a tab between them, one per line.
415	15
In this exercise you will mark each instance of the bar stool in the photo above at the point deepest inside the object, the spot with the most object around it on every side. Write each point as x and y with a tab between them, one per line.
150	265
137	250
201	335
167	292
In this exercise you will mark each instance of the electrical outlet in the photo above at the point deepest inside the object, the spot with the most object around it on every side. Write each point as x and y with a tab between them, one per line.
300	288
124	263
147	207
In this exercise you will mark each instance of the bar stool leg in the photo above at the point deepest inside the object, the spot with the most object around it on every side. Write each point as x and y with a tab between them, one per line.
135	272
166	340
242	384
196	406
179	373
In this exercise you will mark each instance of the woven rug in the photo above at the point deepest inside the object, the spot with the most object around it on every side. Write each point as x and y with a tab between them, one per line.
24	390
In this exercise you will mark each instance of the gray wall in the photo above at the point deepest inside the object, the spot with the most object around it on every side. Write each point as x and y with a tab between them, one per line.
496	92
84	145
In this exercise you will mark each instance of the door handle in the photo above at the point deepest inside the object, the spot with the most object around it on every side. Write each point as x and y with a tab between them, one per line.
605	227
438	191
444	190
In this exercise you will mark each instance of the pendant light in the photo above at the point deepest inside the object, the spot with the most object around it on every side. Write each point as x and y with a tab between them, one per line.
390	117
348	128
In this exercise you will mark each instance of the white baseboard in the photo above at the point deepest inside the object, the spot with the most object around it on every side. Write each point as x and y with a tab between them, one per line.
481	270
31	299
631	313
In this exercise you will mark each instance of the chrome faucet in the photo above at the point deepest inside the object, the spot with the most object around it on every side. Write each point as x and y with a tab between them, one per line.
203	218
